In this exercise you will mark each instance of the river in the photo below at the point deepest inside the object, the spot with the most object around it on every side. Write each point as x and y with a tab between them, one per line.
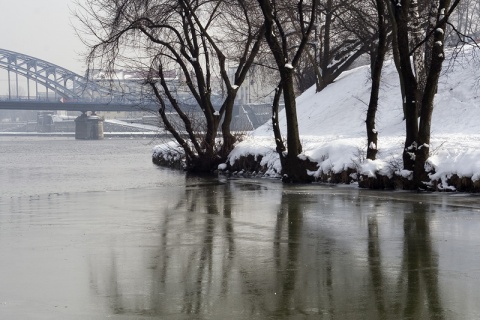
94	230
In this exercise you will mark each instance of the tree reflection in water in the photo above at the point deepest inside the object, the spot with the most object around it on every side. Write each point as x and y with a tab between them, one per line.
248	250
416	292
419	267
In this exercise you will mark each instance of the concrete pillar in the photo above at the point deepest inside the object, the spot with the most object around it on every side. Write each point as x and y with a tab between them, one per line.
88	127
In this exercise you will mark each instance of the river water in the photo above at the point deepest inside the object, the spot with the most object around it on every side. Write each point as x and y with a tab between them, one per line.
94	230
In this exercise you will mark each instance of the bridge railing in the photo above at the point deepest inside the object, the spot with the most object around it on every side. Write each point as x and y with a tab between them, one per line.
28	98
123	99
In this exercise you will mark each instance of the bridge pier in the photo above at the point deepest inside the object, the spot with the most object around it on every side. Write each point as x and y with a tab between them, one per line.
88	127
44	121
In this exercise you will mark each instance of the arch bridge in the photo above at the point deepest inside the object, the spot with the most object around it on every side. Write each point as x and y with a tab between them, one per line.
35	84
51	87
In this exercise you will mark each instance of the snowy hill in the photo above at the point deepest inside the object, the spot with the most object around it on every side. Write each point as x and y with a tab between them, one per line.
333	129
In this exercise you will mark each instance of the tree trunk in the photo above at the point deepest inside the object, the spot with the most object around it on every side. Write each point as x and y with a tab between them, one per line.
280	146
418	35
432	19
396	55
293	168
227	137
325	52
294	146
372	134
436	60
411	100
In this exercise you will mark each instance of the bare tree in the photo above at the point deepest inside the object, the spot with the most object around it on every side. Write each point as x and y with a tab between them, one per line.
278	28
340	37
417	139
467	23
191	53
335	44
378	58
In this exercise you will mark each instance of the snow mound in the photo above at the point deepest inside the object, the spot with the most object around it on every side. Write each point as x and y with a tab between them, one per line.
332	123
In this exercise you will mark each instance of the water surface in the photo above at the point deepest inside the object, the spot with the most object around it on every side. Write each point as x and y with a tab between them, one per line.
93	230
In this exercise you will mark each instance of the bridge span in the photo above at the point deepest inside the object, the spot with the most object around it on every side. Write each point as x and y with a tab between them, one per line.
99	105
51	87
35	84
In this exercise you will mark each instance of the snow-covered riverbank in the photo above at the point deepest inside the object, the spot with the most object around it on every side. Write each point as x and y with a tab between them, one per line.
332	127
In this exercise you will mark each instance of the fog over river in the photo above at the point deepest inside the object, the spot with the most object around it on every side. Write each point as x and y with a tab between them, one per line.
94	230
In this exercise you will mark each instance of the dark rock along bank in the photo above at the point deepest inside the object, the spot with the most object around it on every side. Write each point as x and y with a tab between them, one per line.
251	165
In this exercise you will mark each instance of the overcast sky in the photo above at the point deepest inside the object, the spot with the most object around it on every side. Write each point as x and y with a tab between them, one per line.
43	29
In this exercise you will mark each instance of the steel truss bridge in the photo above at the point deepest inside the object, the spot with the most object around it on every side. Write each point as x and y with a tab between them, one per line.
51	87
